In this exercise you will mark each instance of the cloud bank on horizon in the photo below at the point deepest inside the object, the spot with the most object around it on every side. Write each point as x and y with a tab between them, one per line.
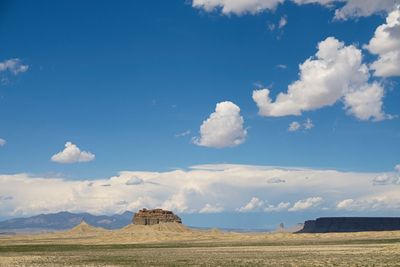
205	189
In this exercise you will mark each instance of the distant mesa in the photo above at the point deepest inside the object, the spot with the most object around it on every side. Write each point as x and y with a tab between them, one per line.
155	216
351	224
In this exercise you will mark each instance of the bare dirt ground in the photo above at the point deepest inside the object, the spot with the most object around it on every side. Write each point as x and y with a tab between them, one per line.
176	245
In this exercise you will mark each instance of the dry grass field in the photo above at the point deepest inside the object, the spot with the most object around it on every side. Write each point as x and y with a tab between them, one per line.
176	245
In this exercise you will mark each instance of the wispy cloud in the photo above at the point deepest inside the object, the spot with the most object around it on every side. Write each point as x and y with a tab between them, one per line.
14	66
183	134
3	142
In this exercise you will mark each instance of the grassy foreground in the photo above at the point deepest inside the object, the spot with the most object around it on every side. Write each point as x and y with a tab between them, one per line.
171	245
371	253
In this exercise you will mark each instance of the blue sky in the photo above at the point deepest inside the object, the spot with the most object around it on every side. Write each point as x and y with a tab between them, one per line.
123	80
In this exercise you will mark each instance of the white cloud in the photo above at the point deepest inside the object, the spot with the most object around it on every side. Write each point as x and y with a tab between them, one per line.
208	208
72	154
183	134
345	204
321	2
386	179
364	8
14	65
387	201
386	44
305	204
237	7
308	124
280	207
294	126
254	205
224	127
335	73
204	188
397	167
354	8
350	9
281	66
3	142
366	103
282	22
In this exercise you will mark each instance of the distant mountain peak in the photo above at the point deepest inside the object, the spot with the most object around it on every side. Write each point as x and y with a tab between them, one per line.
65	220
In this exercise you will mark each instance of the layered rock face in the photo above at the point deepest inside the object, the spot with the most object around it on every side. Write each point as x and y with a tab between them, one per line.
351	224
156	216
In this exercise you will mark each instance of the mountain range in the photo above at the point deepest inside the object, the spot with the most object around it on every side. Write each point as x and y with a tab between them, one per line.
64	220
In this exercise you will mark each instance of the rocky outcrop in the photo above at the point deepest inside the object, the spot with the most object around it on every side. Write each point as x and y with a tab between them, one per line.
351	224
156	216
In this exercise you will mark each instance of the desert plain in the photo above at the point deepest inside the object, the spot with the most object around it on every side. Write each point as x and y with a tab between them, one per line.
172	244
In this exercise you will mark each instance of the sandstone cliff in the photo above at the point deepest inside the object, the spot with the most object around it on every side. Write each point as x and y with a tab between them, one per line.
155	216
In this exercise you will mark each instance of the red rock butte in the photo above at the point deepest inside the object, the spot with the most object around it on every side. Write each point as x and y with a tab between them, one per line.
155	216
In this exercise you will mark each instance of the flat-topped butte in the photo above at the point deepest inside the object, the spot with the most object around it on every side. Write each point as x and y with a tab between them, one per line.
351	224
155	216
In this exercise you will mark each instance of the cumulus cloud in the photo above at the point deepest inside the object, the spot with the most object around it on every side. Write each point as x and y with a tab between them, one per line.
321	2
307	203
354	8
72	154
208	208
364	8
345	204
253	205
386	179
237	7
366	103
386	45
389	201
14	66
348	8
204	188
336	73
280	207
224	127
2	142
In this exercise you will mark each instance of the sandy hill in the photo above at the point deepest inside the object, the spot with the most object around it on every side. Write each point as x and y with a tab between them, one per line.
84	228
162	227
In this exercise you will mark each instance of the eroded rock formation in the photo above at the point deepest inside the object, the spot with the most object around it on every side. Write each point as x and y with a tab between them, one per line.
156	216
351	224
